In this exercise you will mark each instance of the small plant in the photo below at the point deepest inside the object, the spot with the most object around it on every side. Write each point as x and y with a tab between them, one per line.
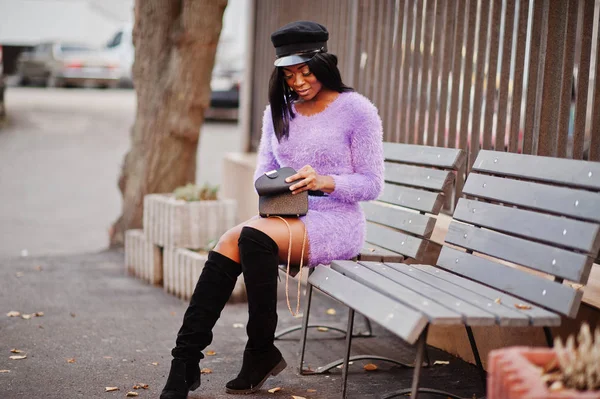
193	192
575	367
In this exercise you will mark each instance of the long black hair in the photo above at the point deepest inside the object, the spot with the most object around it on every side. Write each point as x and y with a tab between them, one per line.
324	67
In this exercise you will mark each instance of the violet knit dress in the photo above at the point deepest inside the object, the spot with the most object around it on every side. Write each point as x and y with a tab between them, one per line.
343	141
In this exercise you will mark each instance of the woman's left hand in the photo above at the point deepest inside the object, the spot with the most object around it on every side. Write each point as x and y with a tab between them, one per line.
309	180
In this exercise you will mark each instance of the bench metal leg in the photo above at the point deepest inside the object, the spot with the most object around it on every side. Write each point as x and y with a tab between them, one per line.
476	355
305	317
347	355
549	338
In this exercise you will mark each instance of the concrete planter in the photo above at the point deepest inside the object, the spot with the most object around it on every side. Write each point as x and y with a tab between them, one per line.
142	258
181	270
515	373
169	222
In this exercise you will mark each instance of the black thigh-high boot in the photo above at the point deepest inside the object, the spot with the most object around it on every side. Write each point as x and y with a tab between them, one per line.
212	291
259	258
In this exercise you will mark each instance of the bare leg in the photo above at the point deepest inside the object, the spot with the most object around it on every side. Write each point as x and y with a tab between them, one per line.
274	228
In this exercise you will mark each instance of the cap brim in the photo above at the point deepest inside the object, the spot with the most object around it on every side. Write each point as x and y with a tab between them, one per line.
293	59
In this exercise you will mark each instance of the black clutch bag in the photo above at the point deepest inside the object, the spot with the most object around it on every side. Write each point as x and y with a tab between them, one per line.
275	197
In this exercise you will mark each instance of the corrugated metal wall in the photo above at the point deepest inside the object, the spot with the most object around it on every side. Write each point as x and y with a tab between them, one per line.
515	75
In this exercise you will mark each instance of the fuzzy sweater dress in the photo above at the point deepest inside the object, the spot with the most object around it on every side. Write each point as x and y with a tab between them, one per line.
343	141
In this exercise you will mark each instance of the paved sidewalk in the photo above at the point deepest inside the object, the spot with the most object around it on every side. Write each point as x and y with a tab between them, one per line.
116	327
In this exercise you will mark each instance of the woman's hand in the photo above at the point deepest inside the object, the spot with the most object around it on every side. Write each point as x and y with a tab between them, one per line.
310	180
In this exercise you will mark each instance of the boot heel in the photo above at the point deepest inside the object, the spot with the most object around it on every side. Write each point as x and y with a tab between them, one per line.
279	368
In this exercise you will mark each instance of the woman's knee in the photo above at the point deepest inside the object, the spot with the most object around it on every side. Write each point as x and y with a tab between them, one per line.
228	244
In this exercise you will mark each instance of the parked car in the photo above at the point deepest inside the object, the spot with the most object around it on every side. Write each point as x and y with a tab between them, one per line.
120	47
225	87
57	64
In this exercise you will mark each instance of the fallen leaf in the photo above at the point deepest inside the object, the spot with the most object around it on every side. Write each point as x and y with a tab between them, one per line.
144	386
137	387
38	314
13	313
298	397
73	314
238	325
370	367
16	351
107	357
206	370
19	274
131	393
26	316
39	268
522	306
331	311
4	371
210	353
440	362
71	360
273	390
498	300
18	357
155	363
322	329
311	390
111	389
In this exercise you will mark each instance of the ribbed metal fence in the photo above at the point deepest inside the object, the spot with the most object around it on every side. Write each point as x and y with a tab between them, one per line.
514	75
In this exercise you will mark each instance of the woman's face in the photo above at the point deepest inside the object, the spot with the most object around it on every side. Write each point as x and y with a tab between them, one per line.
300	79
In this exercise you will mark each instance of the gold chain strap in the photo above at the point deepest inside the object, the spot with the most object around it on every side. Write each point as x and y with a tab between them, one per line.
287	275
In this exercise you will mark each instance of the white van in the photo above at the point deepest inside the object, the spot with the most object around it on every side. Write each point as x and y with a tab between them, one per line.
121	47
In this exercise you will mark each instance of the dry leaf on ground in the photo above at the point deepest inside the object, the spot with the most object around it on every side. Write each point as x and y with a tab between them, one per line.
26	316
18	357
39	268
298	397
206	370
154	363
13	313
440	362
210	353
370	367
322	329
111	389
73	315
522	306
71	360
16	351
4	371
498	300
107	357
311	390
131	393
38	314
331	311
273	390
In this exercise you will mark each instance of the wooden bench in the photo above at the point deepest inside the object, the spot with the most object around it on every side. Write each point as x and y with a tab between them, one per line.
526	225
418	181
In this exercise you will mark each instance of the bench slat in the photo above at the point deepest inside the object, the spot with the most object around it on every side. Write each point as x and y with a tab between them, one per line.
580	204
396	317
450	158
393	240
556	230
416	176
413	198
574	173
472	315
539	316
399	218
503	315
539	290
372	252
437	314
545	258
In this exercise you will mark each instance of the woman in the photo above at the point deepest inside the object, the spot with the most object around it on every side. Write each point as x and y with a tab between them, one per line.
333	137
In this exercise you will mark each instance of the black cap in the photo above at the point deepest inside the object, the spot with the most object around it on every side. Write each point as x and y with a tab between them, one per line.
298	42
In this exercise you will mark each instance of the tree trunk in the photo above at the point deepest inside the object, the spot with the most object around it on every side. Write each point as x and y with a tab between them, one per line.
175	44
